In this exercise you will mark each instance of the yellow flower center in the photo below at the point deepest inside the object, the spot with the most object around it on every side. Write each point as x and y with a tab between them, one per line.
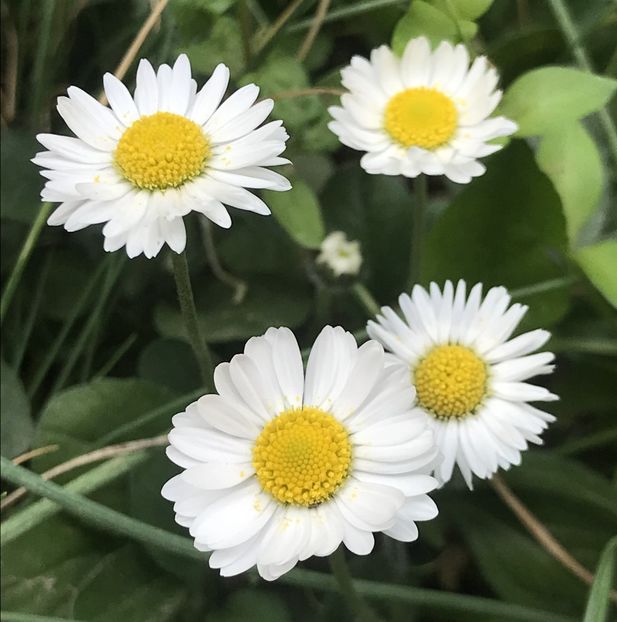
420	117
160	151
302	456
450	381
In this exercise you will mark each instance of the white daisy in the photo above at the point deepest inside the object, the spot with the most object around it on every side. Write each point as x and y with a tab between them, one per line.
282	465
151	159
426	112
341	255
469	374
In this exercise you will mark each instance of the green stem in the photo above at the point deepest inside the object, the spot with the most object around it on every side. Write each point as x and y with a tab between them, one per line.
40	78
543	286
598	603
87	510
419	225
572	37
117	354
13	616
34	514
22	259
189	315
366	299
341	573
95	514
591	441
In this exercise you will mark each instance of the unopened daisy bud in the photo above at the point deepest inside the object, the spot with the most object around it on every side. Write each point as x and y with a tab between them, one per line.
284	464
341	255
150	159
426	112
470	376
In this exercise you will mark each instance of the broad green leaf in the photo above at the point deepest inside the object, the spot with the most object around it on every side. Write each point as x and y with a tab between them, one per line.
299	213
599	261
170	363
251	604
17	426
570	158
423	19
544	100
501	231
472	9
514	565
598	603
76	418
267	303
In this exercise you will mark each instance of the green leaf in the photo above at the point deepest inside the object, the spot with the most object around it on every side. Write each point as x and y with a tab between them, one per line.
423	19
125	586
16	422
223	45
20	182
472	9
517	568
279	74
570	158
170	363
598	603
250	604
599	261
501	231
267	303
298	212
76	418
546	99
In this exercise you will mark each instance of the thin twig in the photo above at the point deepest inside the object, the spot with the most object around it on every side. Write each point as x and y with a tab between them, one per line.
138	41
311	35
34	453
265	38
239	286
93	456
317	90
542	534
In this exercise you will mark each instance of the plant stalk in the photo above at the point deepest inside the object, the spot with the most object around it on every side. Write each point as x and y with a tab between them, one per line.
419	225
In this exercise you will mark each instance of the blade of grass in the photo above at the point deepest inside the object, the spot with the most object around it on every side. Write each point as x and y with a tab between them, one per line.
13	616
110	520
39	79
52	353
23	257
598	602
113	272
117	354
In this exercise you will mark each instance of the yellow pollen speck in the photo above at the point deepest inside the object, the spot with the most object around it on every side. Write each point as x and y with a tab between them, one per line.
450	381
302	456
160	151
420	117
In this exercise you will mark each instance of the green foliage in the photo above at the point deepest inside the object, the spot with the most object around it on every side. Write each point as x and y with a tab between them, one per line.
76	418
598	261
539	221
517	227
267	303
299	214
17	426
546	99
598	604
570	158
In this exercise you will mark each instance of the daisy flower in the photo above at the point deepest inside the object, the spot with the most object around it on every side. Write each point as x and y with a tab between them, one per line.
426	112
152	158
469	374
341	255
281	465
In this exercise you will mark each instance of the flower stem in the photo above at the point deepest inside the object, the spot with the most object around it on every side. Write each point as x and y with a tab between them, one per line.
419	218
22	259
366	299
189	315
341	573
